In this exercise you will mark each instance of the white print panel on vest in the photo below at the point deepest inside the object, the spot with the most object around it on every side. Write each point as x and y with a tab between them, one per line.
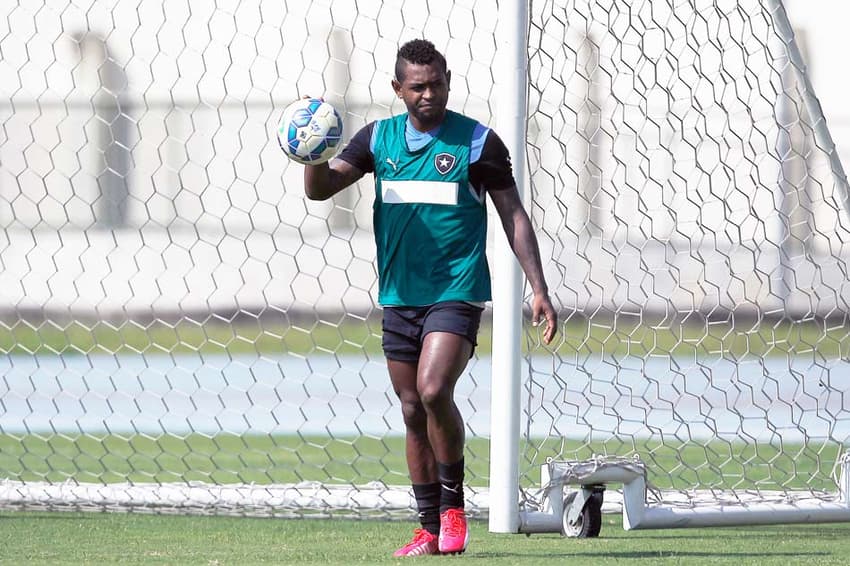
424	192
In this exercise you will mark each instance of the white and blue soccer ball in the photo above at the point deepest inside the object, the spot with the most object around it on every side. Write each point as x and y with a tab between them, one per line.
310	131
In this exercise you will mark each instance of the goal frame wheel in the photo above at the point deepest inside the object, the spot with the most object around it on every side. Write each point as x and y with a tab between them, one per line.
582	516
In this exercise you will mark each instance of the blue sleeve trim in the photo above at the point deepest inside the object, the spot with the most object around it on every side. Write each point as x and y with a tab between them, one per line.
479	135
374	137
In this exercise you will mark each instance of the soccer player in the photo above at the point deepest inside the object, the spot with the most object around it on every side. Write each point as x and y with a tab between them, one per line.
433	169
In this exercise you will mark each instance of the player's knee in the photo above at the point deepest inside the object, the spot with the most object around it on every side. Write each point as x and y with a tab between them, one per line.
435	397
413	413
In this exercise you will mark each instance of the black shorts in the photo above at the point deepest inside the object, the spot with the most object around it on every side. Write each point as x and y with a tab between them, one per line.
404	328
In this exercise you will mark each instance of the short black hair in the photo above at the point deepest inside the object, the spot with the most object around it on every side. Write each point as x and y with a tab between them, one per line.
418	52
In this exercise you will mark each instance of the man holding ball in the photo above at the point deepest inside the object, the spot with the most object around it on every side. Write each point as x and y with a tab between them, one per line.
433	169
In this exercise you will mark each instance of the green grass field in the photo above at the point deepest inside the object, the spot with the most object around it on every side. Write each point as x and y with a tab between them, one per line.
59	538
263	459
101	538
578	337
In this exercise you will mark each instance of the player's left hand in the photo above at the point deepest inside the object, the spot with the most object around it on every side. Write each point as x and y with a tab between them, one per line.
541	308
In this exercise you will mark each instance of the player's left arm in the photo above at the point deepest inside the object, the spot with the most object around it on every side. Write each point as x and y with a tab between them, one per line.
490	172
523	242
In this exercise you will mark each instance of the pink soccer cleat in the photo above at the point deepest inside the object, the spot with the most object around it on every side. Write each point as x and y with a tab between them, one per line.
454	536
423	543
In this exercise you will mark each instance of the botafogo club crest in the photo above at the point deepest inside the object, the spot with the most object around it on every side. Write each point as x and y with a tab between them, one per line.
444	162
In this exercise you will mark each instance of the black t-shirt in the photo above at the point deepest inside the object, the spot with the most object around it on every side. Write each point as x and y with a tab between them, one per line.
492	171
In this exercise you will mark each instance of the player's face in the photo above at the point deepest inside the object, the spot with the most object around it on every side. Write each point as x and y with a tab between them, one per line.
425	92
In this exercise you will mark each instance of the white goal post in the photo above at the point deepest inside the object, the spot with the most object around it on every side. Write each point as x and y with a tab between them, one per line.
182	331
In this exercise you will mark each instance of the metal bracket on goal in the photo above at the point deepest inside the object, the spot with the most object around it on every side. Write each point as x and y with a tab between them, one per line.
578	513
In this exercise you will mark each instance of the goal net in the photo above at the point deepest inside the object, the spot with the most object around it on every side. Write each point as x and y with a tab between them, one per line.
693	214
182	330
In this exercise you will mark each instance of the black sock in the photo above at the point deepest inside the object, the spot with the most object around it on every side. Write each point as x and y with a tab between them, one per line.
451	485
428	502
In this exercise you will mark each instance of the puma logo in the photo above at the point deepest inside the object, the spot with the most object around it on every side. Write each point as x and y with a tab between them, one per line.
392	164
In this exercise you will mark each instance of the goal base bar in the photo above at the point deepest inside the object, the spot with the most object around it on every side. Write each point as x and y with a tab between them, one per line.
668	513
303	500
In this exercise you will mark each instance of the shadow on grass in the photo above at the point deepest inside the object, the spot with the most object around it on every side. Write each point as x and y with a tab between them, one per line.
44	516
782	532
642	555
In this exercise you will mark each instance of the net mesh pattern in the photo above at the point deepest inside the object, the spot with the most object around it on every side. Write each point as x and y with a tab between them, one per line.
183	331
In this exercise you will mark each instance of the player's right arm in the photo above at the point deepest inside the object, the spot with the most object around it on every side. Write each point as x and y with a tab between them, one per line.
323	181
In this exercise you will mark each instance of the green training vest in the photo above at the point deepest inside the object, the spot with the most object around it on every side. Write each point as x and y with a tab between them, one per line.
430	226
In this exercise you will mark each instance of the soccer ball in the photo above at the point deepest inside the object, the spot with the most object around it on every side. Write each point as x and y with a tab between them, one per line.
310	131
